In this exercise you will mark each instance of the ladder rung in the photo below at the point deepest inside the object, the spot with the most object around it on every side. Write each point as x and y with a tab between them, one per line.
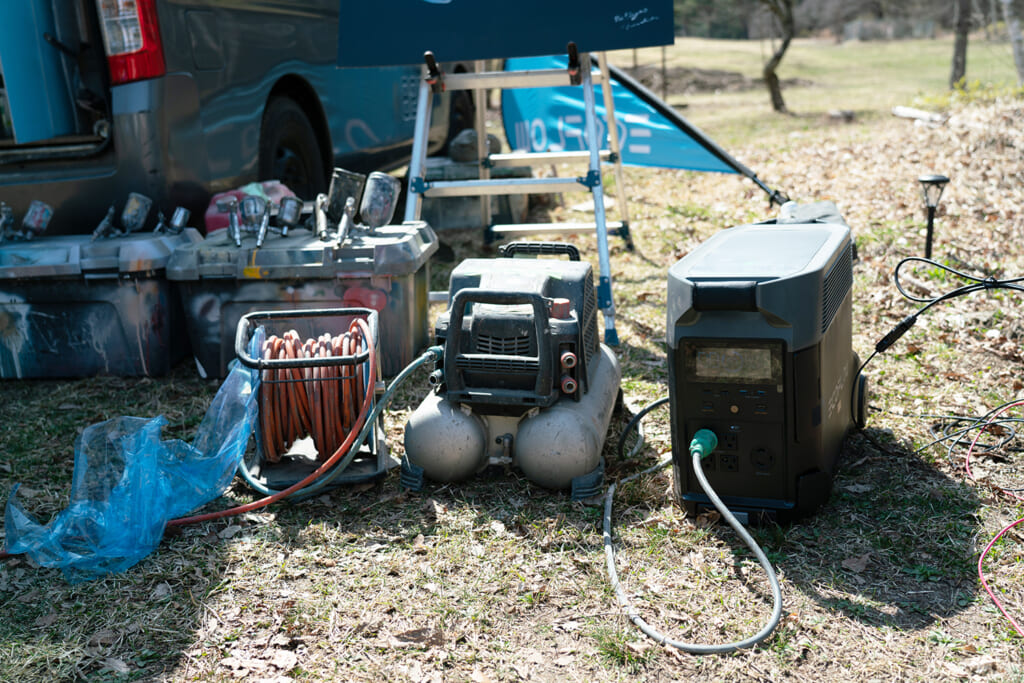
535	78
553	228
518	158
472	188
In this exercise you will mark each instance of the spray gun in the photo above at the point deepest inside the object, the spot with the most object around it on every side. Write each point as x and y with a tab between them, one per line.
135	213
379	193
339	206
288	214
133	217
230	207
106	226
261	233
179	221
36	219
251	210
348	219
379	199
320	216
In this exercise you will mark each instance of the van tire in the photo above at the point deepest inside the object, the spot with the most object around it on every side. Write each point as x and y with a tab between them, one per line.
461	115
289	149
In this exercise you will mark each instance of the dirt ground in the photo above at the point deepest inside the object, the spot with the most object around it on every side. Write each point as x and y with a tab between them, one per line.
496	579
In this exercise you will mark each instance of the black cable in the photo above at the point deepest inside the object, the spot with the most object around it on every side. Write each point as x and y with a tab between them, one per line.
975	284
634	422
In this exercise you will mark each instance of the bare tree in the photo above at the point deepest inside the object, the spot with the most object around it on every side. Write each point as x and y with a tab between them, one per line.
963	28
1013	26
783	12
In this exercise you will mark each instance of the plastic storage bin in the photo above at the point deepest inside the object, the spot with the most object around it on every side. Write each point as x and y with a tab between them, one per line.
73	307
386	269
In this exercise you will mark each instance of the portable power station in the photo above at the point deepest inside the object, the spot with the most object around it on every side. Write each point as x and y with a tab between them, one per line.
760	352
523	379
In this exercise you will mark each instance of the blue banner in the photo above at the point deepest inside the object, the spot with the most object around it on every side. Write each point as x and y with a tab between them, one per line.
650	132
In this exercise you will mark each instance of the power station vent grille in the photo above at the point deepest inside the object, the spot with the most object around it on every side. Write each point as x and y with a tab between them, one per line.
503	346
838	282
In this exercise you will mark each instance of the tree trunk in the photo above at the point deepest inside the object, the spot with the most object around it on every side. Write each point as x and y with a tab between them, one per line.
1013	27
783	11
963	27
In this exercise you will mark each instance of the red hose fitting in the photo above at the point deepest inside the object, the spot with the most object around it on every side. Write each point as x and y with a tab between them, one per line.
569	360
569	385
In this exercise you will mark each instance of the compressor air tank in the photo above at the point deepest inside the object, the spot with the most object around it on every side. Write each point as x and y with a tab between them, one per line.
552	446
523	380
556	444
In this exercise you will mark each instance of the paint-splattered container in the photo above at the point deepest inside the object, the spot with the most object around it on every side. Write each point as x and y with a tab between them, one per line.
386	269
74	307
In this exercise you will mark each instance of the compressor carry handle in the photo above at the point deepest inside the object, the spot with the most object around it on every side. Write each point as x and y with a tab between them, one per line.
453	375
539	249
248	323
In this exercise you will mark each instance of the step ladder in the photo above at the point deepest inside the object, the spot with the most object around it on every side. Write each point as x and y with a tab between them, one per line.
579	72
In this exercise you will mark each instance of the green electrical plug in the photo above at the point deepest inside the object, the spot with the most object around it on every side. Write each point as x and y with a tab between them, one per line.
704	442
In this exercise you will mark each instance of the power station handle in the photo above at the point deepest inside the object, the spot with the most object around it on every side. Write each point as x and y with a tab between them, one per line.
539	249
453	376
248	323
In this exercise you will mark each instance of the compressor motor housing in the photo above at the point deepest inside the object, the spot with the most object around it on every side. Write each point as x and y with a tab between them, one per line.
760	352
523	379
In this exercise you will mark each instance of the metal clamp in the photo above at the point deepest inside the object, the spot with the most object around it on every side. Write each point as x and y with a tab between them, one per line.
435	77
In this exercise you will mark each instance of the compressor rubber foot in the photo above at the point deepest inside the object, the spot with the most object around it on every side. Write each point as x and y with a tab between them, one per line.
590	484
411	477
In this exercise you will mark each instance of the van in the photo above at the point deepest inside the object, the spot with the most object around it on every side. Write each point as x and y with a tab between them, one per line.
181	99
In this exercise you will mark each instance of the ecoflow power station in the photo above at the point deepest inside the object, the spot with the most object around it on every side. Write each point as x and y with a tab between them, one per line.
760	352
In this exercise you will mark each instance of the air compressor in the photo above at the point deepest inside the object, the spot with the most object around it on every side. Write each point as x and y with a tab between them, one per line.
760	352
523	379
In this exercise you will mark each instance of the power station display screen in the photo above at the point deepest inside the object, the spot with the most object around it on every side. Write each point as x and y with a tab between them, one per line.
732	363
739	362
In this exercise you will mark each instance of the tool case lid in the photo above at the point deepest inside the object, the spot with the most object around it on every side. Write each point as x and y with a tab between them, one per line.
80	255
388	250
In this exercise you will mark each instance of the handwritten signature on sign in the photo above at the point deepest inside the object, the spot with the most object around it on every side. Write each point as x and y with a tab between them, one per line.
635	18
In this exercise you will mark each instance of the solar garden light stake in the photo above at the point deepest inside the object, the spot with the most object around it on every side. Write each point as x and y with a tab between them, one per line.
931	189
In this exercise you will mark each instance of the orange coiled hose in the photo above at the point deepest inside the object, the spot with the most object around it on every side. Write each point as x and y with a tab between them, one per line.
322	402
325	466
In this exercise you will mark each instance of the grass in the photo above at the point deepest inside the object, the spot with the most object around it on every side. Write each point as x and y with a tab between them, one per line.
496	579
868	78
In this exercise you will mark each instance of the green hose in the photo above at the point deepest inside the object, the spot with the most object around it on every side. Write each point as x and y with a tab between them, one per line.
434	353
704	442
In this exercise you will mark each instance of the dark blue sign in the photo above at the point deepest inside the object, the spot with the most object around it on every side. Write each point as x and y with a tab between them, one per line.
400	31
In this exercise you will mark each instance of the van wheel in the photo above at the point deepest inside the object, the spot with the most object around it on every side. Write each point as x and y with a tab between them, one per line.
461	115
289	150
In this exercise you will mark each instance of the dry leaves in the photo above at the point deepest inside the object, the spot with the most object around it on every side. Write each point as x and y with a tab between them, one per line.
857	564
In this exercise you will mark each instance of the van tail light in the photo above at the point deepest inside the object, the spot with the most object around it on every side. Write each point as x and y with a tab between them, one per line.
131	36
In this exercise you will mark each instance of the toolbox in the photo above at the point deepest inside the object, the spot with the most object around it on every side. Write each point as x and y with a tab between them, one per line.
71	306
385	269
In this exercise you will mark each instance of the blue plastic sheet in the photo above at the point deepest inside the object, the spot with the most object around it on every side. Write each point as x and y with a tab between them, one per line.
128	483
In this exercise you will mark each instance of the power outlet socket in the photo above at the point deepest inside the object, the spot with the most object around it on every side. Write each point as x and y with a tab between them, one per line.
730	441
728	462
